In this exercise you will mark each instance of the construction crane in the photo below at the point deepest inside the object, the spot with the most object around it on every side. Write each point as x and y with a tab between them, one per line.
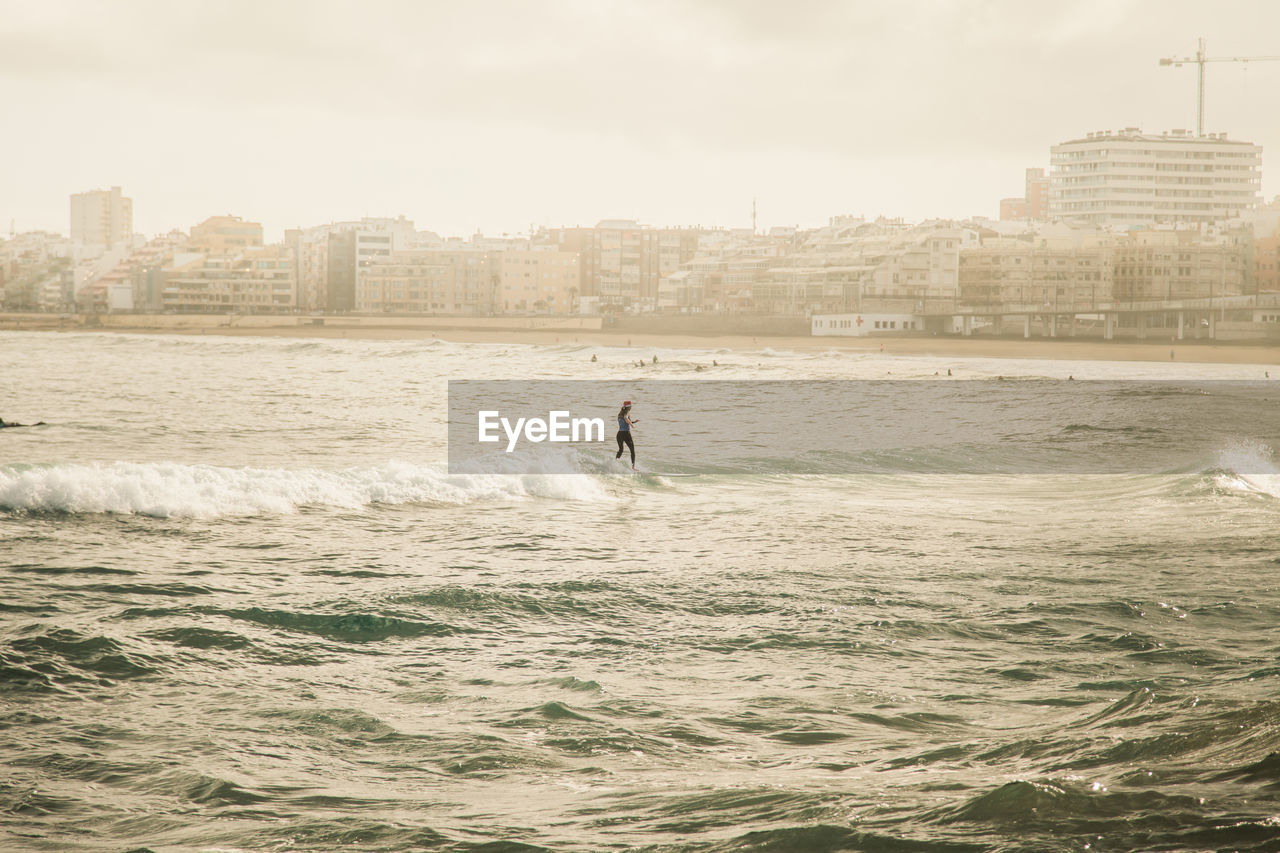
1200	59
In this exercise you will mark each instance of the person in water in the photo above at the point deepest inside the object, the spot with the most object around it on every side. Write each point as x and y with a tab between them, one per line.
624	432
4	424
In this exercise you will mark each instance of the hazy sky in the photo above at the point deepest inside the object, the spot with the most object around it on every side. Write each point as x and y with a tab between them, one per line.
501	115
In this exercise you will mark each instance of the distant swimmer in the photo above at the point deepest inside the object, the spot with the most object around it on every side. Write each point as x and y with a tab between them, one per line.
593	357
655	359
948	371
715	363
10	424
624	432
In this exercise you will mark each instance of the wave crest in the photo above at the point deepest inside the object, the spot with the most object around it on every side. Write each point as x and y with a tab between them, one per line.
171	489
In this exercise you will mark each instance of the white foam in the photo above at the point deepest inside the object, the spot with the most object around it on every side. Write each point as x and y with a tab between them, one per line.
165	489
1248	466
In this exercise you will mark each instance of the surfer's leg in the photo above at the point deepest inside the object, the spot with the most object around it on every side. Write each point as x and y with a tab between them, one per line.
631	445
620	435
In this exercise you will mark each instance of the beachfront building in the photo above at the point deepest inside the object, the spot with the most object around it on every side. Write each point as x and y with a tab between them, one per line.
1266	263
1127	178
622	263
310	248
858	325
1067	273
328	257
722	278
256	279
1264	222
101	218
854	265
541	281
427	281
1182	264
796	286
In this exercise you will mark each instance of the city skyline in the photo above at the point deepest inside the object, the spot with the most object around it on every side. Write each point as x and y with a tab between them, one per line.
674	115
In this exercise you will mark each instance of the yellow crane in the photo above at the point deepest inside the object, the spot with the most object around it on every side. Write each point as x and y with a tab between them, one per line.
1200	59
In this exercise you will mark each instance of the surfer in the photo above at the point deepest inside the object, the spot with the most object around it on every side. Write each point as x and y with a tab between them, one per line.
9	424
624	432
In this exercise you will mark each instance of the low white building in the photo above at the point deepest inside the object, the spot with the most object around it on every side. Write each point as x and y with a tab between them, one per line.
859	325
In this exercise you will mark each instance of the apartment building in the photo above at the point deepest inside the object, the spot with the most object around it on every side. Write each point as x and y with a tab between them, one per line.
1127	178
328	257
1266	263
796	286
256	279
222	235
724	275
537	281
622	263
1033	271
427	281
1036	193
101	218
836	268
1182	264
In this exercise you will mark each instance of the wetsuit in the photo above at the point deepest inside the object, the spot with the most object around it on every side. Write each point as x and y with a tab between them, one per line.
624	437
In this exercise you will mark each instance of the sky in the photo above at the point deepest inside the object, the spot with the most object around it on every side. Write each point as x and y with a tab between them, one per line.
498	117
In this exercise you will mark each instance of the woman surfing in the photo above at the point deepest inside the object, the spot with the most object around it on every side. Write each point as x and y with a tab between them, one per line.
624	432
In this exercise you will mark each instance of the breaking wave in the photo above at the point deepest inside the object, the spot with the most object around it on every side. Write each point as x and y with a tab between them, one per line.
1247	466
171	489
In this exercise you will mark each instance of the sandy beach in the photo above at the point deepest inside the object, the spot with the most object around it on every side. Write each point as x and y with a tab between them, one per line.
1188	351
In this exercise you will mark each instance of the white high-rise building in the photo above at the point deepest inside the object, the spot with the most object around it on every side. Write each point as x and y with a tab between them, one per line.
101	218
1128	178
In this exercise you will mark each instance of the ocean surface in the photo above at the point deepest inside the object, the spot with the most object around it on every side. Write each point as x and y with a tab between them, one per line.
246	607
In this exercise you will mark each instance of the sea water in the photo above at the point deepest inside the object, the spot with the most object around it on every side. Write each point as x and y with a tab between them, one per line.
246	606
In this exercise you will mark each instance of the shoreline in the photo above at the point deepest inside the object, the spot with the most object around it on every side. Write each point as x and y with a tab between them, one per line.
1056	349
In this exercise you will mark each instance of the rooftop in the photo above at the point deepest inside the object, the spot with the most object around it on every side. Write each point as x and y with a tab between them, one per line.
1134	134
